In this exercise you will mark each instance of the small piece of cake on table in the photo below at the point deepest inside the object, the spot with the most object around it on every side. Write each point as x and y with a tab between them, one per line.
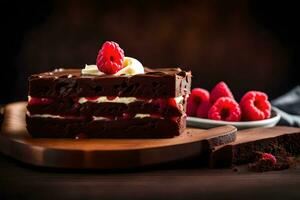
117	98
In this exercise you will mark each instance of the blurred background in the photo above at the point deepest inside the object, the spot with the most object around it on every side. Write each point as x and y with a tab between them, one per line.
250	44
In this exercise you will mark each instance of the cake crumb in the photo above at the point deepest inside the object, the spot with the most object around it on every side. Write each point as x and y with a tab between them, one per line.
235	169
283	161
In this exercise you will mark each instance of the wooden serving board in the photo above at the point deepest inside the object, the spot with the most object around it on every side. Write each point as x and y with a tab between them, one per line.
248	141
103	153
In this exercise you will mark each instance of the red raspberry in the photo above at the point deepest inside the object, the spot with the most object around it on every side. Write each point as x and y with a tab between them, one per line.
92	98
255	106
111	98
171	102
196	98
226	109
220	90
39	101
110	58
164	103
175	119
203	108
268	156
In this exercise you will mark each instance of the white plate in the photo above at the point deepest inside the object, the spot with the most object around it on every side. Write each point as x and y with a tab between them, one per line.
208	123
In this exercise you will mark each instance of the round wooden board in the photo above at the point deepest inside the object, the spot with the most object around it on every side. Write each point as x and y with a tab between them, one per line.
102	153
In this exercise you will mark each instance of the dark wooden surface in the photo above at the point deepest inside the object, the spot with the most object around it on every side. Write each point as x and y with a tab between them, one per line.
186	180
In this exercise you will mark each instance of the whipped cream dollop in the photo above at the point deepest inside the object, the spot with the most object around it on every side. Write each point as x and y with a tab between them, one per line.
131	66
91	70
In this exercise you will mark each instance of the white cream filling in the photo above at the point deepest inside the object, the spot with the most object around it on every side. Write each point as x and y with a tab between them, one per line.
46	116
101	118
104	99
141	115
179	99
125	100
107	118
94	117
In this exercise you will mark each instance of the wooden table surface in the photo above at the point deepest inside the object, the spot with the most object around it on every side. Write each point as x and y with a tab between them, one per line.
186	180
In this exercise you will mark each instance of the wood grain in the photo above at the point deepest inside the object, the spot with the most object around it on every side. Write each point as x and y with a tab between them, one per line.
177	181
103	153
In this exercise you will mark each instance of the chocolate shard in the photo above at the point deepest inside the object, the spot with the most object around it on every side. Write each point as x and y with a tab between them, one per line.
248	142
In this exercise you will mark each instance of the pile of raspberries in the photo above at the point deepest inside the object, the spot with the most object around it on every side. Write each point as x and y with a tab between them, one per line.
220	104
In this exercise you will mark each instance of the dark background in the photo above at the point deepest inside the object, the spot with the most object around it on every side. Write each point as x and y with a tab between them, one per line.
248	44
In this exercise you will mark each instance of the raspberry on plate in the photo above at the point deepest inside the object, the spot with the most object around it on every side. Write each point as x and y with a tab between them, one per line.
203	108
220	90
226	109
255	106
110	58
197	98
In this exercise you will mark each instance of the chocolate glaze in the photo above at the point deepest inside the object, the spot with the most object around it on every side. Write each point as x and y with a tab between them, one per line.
155	83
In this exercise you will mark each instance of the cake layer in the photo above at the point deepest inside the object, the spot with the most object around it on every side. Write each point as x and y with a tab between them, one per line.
155	83
71	107
146	127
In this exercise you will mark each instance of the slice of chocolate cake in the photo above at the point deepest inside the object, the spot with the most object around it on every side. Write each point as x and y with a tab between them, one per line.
65	103
117	98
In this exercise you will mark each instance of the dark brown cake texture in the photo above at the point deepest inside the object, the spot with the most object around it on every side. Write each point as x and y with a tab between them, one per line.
281	141
66	104
283	161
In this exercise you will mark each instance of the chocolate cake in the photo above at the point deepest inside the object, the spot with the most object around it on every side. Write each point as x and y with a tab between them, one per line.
65	103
